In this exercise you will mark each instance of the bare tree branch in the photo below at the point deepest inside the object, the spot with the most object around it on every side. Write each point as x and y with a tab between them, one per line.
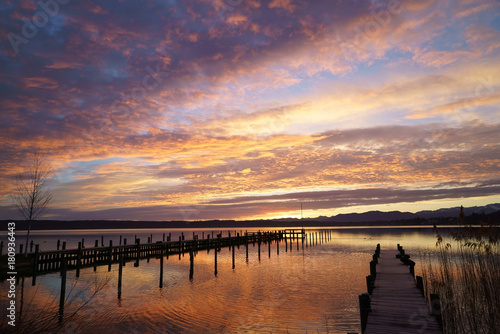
31	194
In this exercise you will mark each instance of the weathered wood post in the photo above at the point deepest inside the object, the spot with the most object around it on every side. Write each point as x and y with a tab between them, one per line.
269	247
191	264
120	274
110	254
161	267
412	267
373	269
96	244
102	241
286	244
259	247
35	264
277	247
436	309
215	259
233	256
420	284
83	243
58	243
64	245
180	246
63	286
138	246
95	257
364	309
79	259
120	241
370	283
246	247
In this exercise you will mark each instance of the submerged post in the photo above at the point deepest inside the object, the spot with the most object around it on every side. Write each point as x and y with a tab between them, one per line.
436	309
364	309
215	260
120	272
233	257
79	259
63	287
35	264
161	268
191	264
138	245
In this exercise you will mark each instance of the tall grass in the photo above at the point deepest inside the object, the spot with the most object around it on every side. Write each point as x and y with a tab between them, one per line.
466	275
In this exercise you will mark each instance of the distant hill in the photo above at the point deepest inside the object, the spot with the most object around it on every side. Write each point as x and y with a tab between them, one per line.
374	216
474	215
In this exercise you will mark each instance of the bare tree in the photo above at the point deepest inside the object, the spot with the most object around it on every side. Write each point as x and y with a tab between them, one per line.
31	194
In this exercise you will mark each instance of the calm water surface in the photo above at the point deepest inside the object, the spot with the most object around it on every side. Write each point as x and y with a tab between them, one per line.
311	290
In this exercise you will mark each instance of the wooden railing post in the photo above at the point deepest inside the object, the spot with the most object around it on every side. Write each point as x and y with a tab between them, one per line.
364	309
436	309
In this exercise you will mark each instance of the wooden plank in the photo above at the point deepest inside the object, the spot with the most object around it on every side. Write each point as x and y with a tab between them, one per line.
397	305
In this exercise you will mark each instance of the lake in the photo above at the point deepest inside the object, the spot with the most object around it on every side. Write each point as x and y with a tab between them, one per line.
310	290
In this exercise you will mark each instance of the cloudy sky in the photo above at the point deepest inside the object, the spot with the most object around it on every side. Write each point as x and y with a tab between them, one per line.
239	109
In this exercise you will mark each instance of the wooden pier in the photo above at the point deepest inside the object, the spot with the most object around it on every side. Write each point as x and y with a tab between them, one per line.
396	304
51	261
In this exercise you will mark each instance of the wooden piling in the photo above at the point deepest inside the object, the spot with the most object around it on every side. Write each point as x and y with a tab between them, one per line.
161	267
35	264
63	286
191	264
120	274
436	309
259	247
364	309
110	254
420	284
233	257
138	245
79	259
215	261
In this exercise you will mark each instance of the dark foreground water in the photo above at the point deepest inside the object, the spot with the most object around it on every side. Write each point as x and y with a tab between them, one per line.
311	290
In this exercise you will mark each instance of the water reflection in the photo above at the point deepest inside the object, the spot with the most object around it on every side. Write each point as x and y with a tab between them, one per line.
303	289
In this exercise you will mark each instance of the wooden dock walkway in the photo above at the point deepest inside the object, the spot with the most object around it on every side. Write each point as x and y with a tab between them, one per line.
397	305
52	261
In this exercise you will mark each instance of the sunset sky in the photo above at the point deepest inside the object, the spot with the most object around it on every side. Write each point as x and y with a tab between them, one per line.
241	109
